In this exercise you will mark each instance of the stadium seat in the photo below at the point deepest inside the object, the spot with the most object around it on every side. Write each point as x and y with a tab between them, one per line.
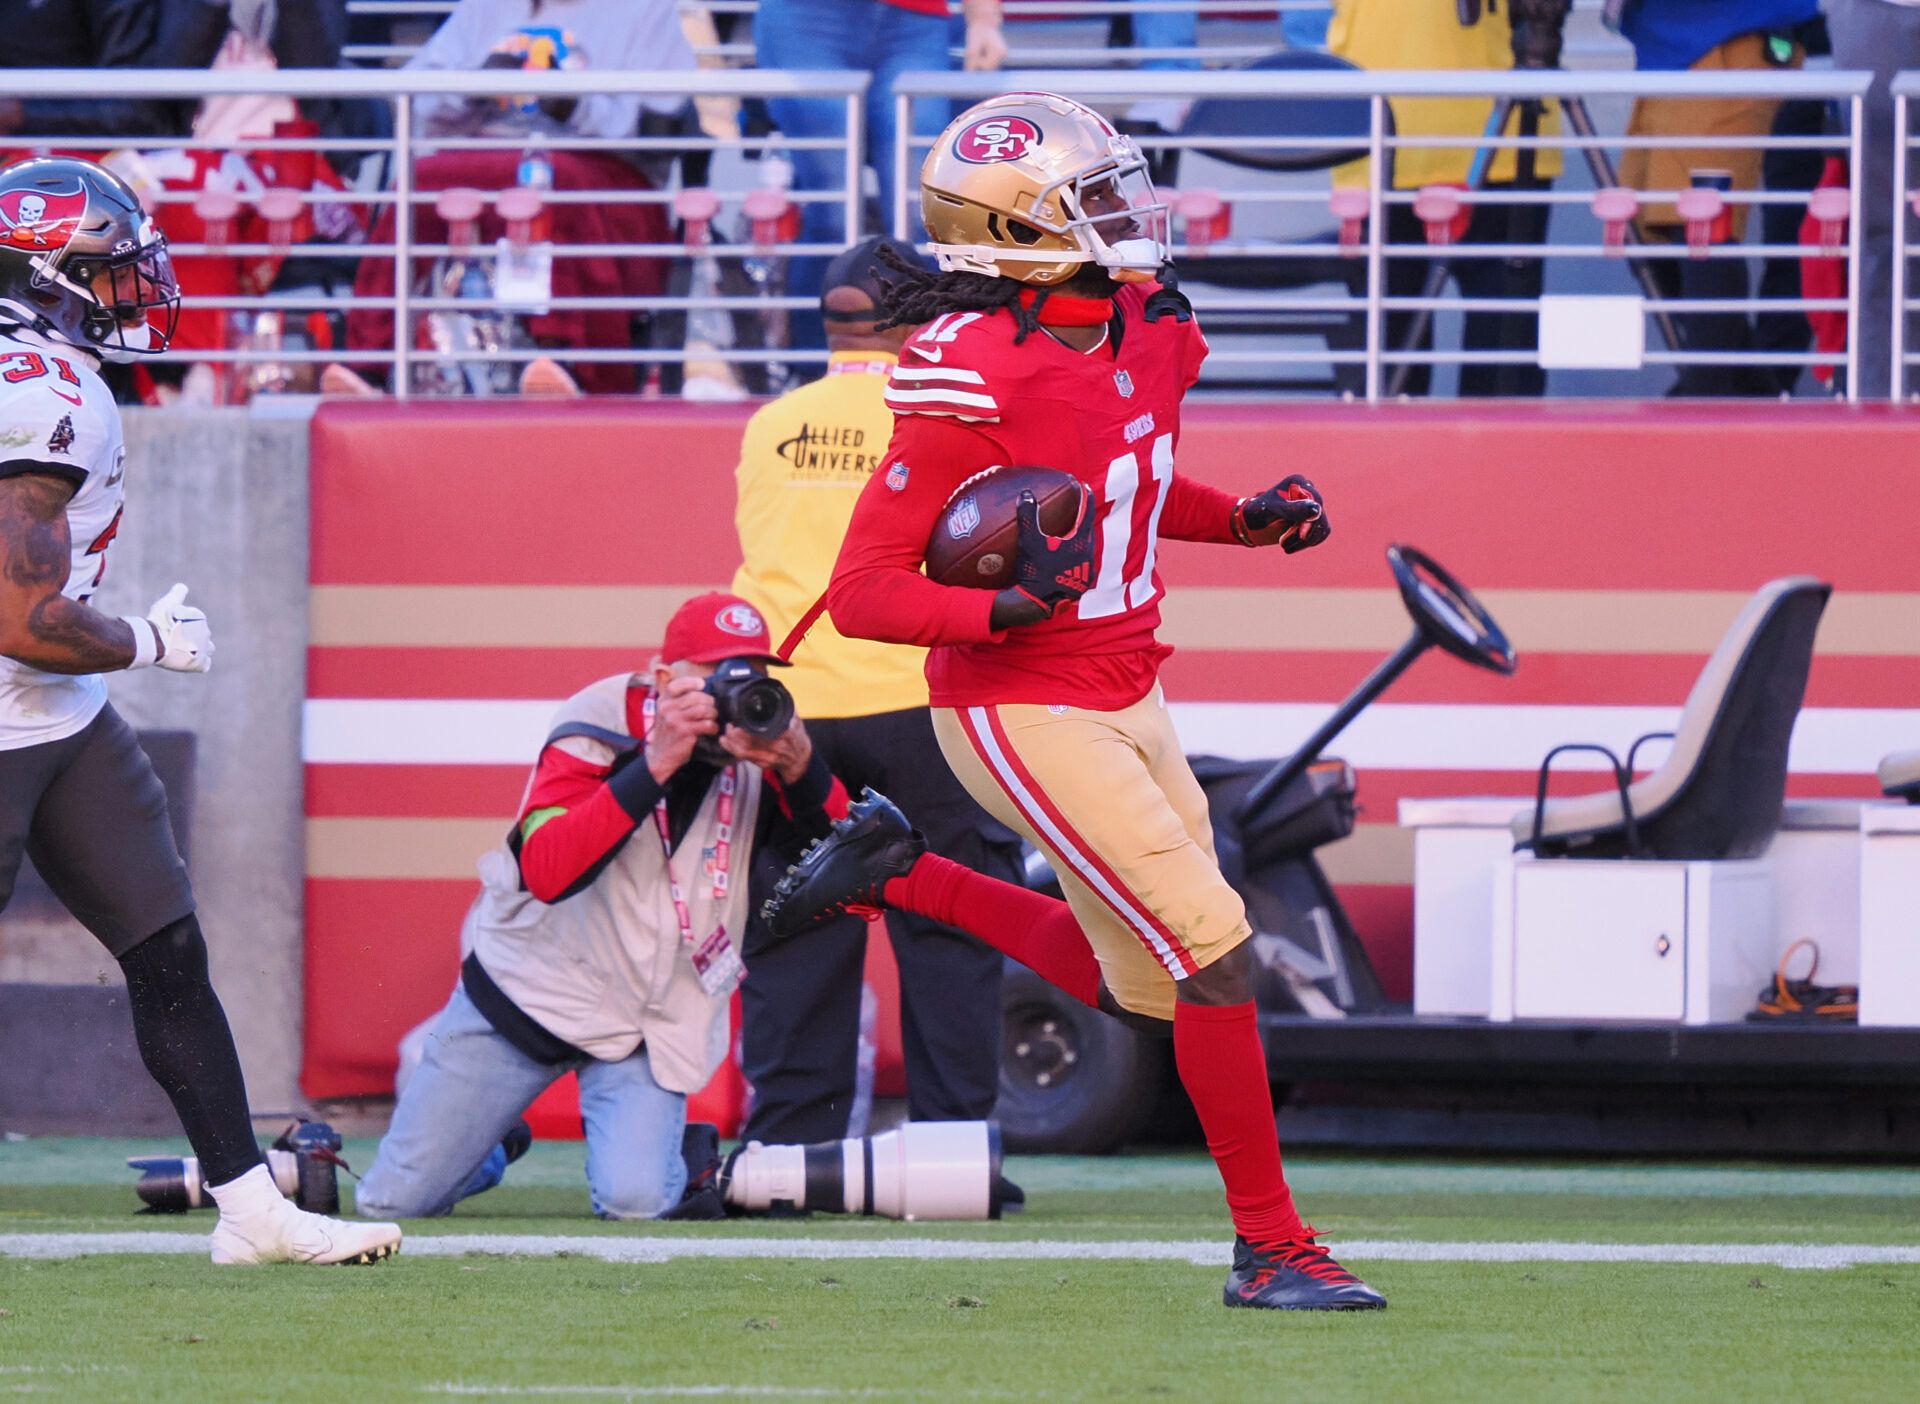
1900	776
1719	792
1342	124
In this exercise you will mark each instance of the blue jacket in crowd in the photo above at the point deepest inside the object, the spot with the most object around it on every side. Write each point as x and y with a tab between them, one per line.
1676	34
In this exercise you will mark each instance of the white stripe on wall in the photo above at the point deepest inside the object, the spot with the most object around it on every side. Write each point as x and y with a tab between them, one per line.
1404	736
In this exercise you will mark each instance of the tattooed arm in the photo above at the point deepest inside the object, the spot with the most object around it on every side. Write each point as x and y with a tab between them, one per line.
39	626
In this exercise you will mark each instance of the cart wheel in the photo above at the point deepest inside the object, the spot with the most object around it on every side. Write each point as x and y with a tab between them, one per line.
1072	1080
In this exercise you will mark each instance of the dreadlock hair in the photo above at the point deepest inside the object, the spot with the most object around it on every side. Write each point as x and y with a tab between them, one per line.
919	296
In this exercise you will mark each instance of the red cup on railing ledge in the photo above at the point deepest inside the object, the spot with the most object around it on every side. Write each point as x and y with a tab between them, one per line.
523	209
1443	211
773	215
1703	208
1205	216
1615	208
460	208
283	211
216	210
1351	207
695	208
1831	207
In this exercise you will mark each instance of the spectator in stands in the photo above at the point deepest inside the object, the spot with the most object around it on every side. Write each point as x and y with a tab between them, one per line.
1881	37
1707	36
803	464
1393	34
613	34
883	38
105	34
599	941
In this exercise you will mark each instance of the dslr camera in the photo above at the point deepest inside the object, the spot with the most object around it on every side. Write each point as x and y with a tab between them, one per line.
747	698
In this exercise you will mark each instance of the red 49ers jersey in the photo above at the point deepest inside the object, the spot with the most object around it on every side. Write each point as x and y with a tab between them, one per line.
966	398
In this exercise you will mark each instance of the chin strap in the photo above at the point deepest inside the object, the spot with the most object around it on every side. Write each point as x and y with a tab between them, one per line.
1167	300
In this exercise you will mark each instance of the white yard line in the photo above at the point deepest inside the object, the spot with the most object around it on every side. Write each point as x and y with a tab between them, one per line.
1204	1253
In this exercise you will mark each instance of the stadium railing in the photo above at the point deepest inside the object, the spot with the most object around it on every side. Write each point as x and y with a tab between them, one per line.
1113	90
392	205
1906	204
1056	32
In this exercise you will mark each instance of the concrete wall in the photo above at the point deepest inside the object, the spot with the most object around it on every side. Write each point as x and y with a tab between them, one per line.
217	499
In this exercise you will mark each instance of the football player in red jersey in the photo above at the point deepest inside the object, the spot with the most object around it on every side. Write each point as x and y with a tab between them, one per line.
1047	340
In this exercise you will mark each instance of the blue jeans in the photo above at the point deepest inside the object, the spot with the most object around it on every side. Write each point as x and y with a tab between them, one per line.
470	1089
884	41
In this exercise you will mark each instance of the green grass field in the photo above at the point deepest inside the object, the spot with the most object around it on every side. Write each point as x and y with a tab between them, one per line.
500	1323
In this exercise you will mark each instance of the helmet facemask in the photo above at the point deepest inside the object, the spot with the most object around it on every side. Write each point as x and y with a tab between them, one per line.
124	289
1116	216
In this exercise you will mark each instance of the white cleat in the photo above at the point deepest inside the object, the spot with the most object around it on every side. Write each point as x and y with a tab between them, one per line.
285	1234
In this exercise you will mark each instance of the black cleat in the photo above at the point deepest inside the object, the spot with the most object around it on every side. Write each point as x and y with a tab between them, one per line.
1297	1275
848	869
518	1141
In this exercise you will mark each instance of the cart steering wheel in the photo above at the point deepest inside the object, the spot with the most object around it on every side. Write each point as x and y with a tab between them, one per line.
1447	614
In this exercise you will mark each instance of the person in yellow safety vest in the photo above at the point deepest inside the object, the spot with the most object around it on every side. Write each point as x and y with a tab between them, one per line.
1427	34
803	463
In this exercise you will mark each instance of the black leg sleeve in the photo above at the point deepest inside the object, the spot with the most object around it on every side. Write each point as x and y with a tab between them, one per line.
183	1038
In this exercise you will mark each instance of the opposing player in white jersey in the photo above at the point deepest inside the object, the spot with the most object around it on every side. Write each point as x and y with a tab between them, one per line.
85	277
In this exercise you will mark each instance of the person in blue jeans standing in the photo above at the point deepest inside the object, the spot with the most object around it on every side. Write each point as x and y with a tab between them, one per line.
885	38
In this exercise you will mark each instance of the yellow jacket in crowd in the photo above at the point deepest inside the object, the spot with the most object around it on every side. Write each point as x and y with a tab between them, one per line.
803	463
1400	34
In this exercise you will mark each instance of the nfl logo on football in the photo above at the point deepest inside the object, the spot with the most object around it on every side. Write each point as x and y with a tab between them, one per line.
964	517
1123	383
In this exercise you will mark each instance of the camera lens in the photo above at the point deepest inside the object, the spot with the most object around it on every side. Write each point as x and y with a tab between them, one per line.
763	707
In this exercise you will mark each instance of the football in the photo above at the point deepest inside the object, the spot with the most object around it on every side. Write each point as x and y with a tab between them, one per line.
977	535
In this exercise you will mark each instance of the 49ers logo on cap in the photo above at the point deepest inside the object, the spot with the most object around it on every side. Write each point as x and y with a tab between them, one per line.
996	139
42	219
741	620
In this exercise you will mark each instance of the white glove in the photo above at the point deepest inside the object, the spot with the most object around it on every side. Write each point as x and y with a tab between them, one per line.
173	634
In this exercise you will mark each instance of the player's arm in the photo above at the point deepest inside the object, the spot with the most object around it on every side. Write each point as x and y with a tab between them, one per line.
1290	514
582	806
877	590
39	626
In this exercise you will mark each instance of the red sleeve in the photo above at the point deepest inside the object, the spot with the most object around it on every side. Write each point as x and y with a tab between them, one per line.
565	846
877	591
1196	511
1196	354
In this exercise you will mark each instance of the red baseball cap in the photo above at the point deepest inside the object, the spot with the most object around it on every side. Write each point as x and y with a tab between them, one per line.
715	626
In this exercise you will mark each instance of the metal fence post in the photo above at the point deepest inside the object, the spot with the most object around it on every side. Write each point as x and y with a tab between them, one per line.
902	160
1856	111
1897	371
1376	233
403	246
854	169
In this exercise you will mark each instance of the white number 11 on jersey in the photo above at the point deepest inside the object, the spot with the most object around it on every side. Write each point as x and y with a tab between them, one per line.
1114	591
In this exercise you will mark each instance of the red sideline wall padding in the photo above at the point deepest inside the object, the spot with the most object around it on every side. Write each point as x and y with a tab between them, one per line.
468	557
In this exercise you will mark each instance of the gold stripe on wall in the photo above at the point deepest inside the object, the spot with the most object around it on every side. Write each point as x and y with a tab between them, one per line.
1229	619
400	848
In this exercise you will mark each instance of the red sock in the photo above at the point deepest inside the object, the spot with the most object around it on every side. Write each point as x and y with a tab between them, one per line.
1217	1050
1036	930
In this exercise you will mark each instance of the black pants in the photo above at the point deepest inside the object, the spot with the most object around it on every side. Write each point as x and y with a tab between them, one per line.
92	815
800	1024
1519	278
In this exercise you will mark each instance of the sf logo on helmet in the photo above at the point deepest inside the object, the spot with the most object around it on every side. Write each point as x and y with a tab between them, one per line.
996	139
42	219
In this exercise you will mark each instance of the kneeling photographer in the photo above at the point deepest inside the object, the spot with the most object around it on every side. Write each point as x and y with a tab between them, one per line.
604	940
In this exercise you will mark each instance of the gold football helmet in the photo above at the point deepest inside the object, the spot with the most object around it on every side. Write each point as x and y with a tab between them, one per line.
1031	186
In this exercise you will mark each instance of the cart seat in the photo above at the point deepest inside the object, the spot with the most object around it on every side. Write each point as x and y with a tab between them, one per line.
1900	776
1718	793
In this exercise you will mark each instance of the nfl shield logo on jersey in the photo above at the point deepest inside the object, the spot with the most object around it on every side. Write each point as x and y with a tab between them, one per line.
897	477
1123	383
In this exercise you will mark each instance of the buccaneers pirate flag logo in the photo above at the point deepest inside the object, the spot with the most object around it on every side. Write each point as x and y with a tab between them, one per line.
41	218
